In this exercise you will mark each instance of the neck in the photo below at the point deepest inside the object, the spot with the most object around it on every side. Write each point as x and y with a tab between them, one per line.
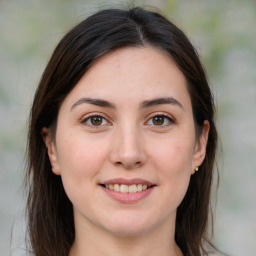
125	247
92	242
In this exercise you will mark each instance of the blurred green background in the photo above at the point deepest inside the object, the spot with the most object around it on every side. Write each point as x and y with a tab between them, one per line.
224	32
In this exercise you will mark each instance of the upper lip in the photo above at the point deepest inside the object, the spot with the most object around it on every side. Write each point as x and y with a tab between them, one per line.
128	181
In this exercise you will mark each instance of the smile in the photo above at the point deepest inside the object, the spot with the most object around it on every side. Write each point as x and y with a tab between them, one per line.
128	190
123	188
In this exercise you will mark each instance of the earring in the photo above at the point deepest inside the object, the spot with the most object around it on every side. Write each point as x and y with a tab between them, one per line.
196	169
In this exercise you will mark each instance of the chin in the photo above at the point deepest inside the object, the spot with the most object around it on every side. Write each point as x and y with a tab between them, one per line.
128	231
130	226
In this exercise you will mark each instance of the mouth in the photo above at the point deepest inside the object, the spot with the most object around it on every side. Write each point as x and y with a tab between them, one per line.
124	188
128	190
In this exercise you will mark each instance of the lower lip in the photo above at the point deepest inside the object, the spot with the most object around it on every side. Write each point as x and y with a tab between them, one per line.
128	197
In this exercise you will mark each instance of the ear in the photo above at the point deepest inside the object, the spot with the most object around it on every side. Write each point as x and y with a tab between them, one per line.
200	147
51	148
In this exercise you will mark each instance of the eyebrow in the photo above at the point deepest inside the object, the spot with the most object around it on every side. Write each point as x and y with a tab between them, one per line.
160	101
97	102
144	104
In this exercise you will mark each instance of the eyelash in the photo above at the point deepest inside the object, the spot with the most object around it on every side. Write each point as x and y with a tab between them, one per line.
166	118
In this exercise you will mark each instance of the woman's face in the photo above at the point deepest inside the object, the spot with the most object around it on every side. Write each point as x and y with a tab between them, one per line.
125	142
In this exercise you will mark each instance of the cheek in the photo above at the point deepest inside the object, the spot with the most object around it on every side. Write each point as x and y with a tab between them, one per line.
173	161
175	156
79	160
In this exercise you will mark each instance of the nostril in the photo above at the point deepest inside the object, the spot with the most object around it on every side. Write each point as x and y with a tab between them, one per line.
128	164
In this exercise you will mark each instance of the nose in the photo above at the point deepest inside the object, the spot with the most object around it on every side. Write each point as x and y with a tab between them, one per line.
127	149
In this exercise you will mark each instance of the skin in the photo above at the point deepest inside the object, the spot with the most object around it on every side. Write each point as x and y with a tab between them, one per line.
129	143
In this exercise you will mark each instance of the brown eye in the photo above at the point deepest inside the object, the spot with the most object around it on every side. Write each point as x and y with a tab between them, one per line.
158	120
96	120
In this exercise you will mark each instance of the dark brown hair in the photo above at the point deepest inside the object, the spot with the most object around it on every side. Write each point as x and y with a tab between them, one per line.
50	214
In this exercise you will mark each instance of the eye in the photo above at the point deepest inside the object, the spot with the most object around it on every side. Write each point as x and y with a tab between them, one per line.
160	120
95	120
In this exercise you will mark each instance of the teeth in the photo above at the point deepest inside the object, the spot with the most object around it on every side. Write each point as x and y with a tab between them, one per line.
127	188
117	187
132	188
124	188
144	187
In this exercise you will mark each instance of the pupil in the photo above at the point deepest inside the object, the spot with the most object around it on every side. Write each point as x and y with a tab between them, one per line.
96	120
158	120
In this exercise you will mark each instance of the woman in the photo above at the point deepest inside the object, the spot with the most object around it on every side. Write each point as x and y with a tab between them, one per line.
122	142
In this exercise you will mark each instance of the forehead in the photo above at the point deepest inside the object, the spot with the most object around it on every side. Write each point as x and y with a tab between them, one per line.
133	74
